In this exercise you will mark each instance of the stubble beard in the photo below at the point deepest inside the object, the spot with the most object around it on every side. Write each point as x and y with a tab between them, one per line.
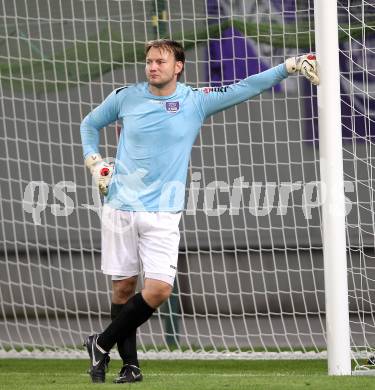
160	84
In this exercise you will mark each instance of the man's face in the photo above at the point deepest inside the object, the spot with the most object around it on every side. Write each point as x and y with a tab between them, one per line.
161	67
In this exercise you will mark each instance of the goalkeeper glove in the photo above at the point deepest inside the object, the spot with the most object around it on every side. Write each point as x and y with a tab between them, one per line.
101	171
306	65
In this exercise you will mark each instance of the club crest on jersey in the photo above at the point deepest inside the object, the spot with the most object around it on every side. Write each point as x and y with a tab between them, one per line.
172	106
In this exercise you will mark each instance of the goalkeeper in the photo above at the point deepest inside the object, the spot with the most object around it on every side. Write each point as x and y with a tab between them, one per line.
144	190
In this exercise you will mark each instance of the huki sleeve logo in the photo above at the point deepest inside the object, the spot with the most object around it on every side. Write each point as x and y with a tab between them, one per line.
207	90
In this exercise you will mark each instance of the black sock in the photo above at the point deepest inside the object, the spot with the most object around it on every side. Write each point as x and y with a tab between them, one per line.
127	347
133	314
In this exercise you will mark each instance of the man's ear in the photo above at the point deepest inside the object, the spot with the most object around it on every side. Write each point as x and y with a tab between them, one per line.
179	67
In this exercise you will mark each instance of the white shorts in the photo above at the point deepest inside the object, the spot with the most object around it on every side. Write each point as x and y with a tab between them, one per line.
131	237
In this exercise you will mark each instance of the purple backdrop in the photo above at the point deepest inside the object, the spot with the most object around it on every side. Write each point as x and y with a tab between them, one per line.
233	57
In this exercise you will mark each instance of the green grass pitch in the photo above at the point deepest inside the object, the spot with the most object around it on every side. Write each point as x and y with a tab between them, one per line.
28	374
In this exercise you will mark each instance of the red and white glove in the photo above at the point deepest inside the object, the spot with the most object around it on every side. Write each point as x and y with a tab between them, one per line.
101	171
306	65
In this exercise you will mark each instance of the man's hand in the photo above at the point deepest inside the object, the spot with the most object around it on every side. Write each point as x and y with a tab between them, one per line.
101	171
306	65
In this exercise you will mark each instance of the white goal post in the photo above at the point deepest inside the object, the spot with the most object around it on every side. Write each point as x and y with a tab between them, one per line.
265	188
332	189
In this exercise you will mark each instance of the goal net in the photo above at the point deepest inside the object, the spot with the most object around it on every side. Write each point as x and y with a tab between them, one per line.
357	65
250	275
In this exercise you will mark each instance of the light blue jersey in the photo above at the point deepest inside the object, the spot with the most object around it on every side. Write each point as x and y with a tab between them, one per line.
157	136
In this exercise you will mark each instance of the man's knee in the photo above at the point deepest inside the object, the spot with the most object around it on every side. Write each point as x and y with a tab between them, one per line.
123	289
156	292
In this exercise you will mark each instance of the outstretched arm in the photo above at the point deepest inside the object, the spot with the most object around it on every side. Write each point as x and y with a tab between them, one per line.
213	100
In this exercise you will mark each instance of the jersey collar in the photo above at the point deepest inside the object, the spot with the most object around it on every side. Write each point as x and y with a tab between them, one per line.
152	96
